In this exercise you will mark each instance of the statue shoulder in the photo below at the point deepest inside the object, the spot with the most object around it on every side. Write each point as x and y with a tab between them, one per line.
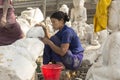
84	8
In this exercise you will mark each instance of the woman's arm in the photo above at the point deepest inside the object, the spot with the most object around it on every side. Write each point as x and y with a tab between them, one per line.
62	50
59	50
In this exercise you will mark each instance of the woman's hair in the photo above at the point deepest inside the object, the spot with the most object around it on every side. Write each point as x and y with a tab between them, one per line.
60	15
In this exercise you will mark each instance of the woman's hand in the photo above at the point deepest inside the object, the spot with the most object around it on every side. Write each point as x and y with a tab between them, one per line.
43	25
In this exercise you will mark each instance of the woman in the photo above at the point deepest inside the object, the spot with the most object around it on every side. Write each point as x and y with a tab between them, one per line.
9	29
64	47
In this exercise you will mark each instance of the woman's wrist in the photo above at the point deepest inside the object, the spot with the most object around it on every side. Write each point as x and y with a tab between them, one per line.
50	42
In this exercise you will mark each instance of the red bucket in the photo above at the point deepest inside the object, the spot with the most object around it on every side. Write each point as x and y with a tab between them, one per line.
51	71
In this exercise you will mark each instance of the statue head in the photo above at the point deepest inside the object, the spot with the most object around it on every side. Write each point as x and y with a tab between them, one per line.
78	3
64	8
48	21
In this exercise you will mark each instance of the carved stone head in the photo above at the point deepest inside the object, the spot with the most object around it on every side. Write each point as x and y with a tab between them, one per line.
64	8
78	3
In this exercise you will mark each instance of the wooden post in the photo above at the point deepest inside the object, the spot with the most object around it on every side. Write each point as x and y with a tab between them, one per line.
44	8
57	3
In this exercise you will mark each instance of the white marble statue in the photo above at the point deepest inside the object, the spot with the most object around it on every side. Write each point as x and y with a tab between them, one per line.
29	18
107	67
64	8
78	13
49	26
18	60
78	19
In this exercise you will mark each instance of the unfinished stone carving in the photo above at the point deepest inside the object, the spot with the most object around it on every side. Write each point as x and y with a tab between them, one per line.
65	9
78	20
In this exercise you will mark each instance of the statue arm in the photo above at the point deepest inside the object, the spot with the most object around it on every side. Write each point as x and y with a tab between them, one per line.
72	15
84	15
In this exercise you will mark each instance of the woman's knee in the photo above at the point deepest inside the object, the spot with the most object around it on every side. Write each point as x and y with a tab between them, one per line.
72	61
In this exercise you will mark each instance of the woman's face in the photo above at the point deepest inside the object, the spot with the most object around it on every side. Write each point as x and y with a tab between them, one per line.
56	23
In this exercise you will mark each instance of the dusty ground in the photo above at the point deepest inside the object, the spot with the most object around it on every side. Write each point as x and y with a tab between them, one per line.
70	75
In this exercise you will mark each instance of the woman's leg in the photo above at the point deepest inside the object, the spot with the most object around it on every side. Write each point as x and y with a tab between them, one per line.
72	61
47	55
